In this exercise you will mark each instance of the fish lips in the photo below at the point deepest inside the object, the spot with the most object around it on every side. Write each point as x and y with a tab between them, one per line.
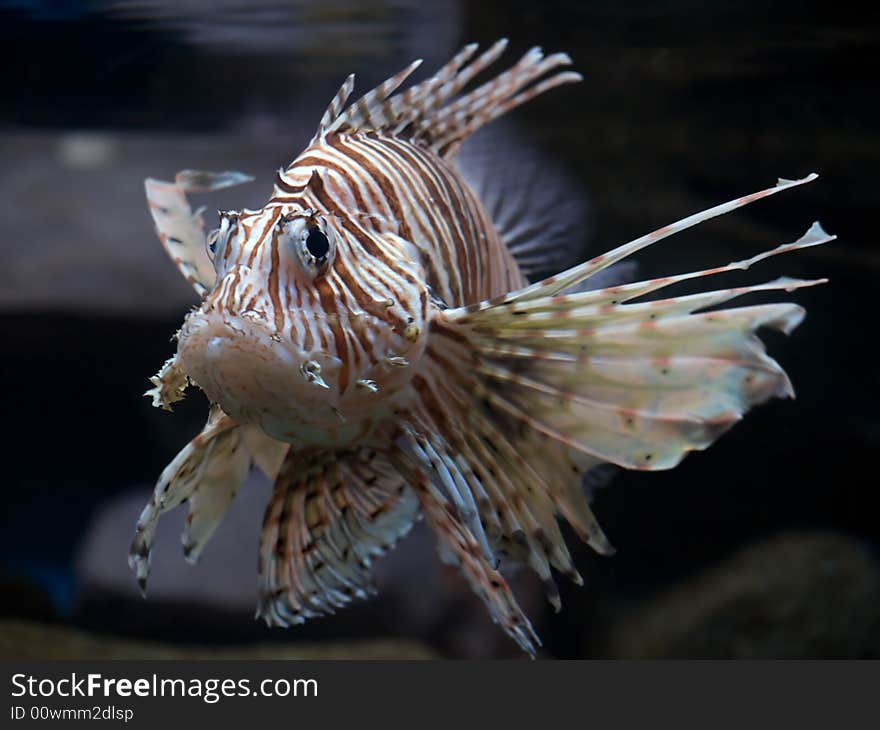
250	371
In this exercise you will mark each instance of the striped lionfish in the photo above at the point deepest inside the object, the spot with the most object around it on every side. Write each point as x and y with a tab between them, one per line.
370	341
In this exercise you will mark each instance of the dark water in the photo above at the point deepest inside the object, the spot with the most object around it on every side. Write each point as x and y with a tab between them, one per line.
681	108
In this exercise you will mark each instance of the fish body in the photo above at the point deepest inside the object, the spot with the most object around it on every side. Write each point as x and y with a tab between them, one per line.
398	222
369	339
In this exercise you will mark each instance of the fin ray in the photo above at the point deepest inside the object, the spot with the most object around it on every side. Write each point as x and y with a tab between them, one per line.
457	541
572	277
330	515
213	460
636	384
182	232
422	113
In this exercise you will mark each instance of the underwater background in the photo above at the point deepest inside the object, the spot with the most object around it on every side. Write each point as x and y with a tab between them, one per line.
763	546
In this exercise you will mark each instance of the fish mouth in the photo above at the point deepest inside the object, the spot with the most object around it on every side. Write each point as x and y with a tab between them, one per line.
254	374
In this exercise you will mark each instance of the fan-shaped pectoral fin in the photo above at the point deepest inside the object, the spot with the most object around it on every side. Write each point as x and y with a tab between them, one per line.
207	473
331	514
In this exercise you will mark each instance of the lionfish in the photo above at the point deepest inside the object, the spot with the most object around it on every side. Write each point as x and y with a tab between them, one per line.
371	342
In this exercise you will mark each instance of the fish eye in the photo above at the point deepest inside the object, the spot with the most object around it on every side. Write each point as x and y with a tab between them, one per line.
317	242
308	239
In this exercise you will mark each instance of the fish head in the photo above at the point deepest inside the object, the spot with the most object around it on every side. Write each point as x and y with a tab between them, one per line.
314	327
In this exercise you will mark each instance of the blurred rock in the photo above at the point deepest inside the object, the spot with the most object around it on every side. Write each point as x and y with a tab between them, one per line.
85	151
23	640
224	576
795	596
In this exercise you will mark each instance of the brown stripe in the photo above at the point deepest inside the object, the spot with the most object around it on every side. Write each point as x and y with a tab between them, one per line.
273	284
439	205
230	297
282	184
362	237
385	185
437	327
346	175
329	306
270	226
468	245
357	327
429	235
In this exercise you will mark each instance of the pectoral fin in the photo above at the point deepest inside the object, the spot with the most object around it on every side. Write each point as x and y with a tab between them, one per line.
522	395
331	514
207	472
181	231
456	530
638	384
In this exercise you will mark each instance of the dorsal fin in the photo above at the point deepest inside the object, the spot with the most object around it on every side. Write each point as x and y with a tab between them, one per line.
422	114
360	115
335	107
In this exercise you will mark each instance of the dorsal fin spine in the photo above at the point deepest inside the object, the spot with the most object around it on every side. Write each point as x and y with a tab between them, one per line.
422	113
335	106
